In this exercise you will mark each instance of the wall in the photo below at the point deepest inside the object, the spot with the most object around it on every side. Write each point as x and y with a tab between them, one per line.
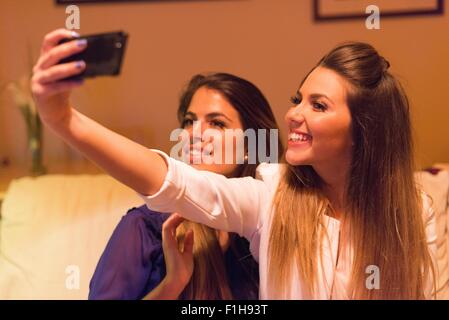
272	43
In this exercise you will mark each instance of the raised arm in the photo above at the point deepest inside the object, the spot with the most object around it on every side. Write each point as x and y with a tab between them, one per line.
132	164
167	185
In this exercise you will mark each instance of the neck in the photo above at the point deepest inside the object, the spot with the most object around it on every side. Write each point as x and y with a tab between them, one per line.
335	177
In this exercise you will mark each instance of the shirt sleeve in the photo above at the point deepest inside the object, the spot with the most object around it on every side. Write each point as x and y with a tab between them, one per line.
232	205
431	235
132	262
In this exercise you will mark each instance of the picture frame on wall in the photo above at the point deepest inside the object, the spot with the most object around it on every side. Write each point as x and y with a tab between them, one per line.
325	10
67	2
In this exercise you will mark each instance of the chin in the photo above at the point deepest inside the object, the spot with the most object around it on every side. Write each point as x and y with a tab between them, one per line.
295	159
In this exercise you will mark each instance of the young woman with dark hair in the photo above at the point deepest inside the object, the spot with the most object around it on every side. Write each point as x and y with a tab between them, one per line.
220	265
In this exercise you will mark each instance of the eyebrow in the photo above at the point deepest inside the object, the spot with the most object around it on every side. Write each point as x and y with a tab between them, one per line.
316	95
209	115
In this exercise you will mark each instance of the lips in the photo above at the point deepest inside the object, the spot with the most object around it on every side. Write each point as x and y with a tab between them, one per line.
299	137
197	151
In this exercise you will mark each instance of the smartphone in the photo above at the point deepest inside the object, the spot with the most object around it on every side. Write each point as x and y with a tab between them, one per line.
103	55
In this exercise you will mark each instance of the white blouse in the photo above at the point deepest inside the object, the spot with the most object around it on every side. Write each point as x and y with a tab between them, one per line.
244	206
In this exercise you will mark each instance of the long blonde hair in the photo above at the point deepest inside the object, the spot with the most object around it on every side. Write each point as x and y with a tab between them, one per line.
210	281
383	204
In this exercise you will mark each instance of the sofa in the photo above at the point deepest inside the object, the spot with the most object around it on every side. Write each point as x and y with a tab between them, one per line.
54	228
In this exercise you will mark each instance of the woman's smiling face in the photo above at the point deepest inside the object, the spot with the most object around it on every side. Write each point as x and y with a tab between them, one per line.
319	123
210	110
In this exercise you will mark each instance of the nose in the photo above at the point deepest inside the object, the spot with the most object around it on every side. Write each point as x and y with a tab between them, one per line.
295	116
197	131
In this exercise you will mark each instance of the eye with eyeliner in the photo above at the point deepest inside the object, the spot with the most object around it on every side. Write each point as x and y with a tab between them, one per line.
187	122
316	104
217	123
296	99
319	106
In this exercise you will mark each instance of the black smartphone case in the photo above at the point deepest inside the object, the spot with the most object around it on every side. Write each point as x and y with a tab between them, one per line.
103	54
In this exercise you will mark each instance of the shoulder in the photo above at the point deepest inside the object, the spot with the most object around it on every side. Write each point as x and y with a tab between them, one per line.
427	205
142	218
270	173
429	217
142	213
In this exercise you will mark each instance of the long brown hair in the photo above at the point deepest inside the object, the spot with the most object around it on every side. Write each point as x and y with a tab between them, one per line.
209	279
384	208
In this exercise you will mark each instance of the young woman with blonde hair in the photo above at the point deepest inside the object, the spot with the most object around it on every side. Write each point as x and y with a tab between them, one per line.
344	202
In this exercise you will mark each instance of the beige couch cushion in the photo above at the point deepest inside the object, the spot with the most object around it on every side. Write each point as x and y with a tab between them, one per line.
53	227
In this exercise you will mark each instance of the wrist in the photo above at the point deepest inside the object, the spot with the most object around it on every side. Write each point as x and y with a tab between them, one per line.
59	121
174	286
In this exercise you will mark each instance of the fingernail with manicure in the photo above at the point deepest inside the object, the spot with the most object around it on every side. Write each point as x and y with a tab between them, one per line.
81	43
75	34
80	64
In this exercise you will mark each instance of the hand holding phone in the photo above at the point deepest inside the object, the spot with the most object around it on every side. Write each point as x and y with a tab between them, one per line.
103	54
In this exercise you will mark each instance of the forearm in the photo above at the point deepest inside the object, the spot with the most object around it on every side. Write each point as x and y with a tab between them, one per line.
130	163
166	290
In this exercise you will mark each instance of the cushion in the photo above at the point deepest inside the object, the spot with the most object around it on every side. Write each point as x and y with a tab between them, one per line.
53	230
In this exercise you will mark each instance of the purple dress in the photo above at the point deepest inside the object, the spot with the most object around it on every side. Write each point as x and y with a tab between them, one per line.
133	264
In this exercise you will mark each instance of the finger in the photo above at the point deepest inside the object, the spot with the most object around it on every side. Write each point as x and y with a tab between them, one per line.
173	222
60	71
52	39
57	87
169	230
188	242
54	55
